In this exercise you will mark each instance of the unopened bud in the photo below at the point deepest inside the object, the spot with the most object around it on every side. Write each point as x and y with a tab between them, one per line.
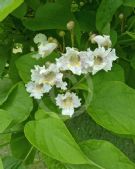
121	16
50	39
55	41
81	3
61	33
70	25
92	38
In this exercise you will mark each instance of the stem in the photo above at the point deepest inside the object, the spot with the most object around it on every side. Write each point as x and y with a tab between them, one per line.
122	25
63	44
28	154
72	37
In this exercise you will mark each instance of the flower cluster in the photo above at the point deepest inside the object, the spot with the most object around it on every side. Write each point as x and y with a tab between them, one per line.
78	62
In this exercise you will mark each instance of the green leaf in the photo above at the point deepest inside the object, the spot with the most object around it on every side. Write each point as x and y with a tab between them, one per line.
52	138
113	107
26	62
12	163
5	120
7	6
18	104
5	89
116	74
20	152
1	165
105	12
54	164
20	11
98	151
34	4
83	18
50	12
130	3
106	155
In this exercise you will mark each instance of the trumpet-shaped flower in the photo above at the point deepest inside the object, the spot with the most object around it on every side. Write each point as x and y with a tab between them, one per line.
50	76
37	90
102	59
68	102
45	49
70	61
102	41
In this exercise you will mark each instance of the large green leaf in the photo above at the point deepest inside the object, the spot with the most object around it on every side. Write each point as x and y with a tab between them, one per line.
130	3
113	107
54	164
1	165
106	155
18	104
5	120
50	16
5	89
116	74
52	138
98	151
7	6
105	13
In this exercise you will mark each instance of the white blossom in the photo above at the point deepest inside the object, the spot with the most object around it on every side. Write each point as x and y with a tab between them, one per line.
70	61
102	41
86	62
68	102
102	59
48	76
40	38
37	90
45	49
35	73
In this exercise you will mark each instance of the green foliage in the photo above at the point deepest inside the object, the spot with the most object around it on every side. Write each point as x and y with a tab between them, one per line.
1	165
108	113
103	128
105	13
55	139
5	120
18	104
7	6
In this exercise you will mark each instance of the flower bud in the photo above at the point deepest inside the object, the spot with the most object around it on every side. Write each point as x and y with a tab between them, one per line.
70	25
61	33
81	3
121	16
55	41
50	39
92	38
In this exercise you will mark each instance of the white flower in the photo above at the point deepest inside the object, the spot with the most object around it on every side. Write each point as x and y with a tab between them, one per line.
102	59
48	76
86	62
45	49
40	38
37	90
67	102
70	61
102	41
35	73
